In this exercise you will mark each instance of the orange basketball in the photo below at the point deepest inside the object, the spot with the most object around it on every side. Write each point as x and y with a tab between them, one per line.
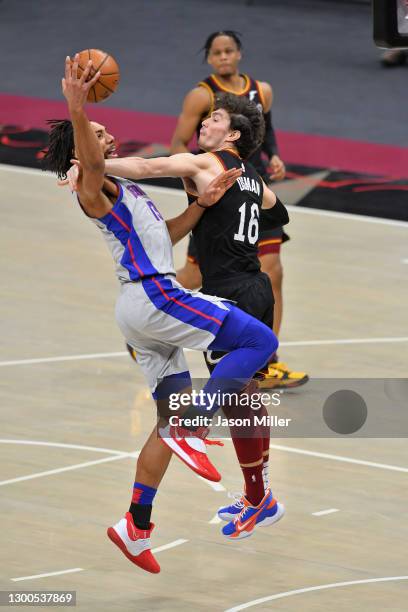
110	75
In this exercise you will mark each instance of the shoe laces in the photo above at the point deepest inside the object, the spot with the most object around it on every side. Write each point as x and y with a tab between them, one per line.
238	498
243	512
213	442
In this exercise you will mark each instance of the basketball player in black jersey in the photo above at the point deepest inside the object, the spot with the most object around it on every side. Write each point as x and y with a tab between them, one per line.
223	53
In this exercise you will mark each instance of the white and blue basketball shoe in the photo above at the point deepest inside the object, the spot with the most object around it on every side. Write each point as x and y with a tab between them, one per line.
267	512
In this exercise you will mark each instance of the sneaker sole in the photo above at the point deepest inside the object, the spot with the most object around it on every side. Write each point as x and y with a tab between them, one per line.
268	384
284	385
116	539
270	520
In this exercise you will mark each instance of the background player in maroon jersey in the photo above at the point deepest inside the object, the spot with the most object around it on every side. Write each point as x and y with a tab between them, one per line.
223	53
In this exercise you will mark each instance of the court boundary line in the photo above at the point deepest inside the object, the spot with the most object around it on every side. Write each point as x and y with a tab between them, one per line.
169	545
340	341
63	358
95	449
156	550
68	468
172	191
215	520
59	573
216	486
287	344
341	458
324	512
320	587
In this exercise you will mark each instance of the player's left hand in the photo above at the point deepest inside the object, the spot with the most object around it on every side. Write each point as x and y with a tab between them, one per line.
74	175
76	88
218	186
277	168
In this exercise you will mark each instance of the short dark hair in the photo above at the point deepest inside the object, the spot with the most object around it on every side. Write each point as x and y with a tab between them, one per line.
246	117
61	147
231	33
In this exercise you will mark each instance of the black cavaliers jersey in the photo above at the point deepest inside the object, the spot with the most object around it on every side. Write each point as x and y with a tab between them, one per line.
226	237
251	90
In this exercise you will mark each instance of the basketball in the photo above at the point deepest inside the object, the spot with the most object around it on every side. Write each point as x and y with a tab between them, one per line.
109	69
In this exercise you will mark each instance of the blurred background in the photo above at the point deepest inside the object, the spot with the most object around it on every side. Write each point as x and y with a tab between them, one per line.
336	106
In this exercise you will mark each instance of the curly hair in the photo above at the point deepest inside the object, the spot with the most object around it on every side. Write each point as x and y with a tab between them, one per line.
61	147
246	117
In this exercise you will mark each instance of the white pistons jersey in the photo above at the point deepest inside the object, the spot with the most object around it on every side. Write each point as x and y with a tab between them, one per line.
136	234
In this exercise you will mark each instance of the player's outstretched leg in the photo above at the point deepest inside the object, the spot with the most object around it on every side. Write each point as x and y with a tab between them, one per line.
249	344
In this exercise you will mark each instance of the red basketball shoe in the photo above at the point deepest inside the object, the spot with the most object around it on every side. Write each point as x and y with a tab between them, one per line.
189	446
134	543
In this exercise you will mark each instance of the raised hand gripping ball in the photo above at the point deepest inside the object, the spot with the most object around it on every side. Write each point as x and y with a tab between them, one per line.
109	69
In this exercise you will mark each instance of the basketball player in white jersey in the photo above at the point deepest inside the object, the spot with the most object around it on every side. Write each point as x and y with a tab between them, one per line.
156	315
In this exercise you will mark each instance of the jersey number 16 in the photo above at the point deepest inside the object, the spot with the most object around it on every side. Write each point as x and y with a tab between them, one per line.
253	224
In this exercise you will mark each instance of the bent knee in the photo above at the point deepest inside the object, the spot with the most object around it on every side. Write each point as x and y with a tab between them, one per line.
264	338
270	342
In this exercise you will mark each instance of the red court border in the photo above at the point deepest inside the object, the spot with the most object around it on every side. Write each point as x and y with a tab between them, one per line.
295	148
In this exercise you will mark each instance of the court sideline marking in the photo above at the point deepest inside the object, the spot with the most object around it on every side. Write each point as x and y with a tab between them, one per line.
68	468
170	191
301	451
323	512
215	520
125	353
216	486
68	571
169	545
81	569
321	587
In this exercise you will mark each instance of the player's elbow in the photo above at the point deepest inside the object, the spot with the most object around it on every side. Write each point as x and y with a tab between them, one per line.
277	215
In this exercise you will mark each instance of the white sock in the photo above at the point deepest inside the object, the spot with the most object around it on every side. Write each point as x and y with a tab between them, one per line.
265	475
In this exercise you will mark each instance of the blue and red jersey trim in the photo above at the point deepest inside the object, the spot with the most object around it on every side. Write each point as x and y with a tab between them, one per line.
190	309
135	259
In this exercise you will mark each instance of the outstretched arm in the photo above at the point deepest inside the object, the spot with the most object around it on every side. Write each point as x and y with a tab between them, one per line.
182	164
183	224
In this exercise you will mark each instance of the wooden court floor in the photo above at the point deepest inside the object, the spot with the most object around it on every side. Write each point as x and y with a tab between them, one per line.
75	411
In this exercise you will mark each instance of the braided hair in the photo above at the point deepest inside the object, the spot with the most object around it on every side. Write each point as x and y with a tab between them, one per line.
245	117
231	33
61	147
